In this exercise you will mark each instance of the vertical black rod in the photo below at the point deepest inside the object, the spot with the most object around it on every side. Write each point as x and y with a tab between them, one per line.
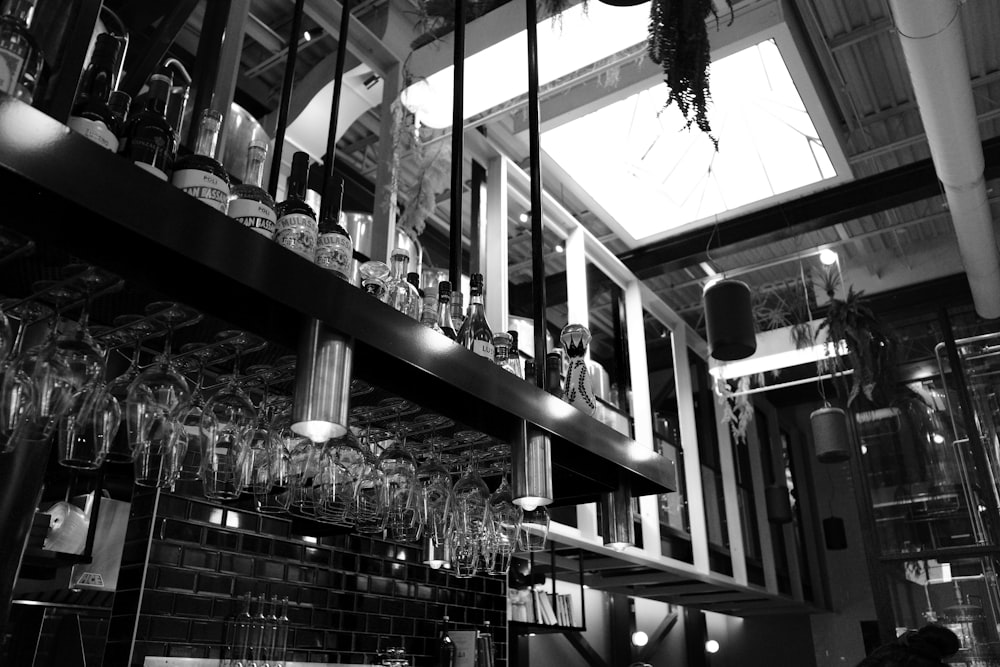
338	84
583	596
213	32
476	219
537	238
457	149
621	374
286	96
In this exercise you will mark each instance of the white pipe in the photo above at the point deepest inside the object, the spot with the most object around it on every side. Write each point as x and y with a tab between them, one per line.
930	32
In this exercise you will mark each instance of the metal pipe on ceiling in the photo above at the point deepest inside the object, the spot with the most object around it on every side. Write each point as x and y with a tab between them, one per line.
930	32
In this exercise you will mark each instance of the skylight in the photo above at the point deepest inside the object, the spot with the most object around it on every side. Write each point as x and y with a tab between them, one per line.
652	176
500	73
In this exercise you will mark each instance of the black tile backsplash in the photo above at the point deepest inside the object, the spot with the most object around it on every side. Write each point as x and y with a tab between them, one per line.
345	591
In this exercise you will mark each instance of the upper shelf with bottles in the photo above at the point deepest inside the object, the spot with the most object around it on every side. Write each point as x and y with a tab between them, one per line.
72	193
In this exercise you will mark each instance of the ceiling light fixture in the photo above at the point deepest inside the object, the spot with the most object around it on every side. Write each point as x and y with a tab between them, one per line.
639	638
712	646
322	382
828	257
531	463
616	519
559	247
306	36
524	217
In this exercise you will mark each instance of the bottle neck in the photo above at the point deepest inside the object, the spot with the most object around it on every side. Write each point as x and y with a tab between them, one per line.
99	78
159	90
20	10
444	311
475	299
501	352
254	174
399	265
208	137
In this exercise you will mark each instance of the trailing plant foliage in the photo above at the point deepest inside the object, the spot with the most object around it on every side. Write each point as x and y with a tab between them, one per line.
871	346
678	41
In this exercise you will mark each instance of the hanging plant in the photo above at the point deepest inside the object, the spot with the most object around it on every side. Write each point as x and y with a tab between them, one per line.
871	345
678	41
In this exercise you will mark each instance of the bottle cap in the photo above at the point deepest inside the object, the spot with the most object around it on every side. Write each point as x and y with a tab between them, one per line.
476	279
513	338
501	339
396	252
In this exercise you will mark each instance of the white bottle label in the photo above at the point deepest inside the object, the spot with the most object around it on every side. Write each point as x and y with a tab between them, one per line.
204	186
483	349
96	131
10	70
255	215
334	252
159	173
297	232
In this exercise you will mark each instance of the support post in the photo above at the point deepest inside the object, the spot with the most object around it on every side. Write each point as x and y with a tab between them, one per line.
494	264
286	97
384	225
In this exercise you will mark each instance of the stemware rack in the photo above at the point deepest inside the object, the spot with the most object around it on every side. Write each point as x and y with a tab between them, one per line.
77	202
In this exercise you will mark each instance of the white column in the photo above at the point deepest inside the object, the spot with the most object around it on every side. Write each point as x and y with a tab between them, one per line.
493	261
689	444
734	522
577	304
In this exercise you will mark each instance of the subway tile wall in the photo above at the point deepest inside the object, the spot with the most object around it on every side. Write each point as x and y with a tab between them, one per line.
344	591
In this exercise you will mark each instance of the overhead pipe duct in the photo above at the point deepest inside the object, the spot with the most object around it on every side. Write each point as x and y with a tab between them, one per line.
930	32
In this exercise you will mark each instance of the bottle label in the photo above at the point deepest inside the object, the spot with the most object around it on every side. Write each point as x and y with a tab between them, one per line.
334	252
203	186
253	214
150	148
297	232
96	131
483	349
159	173
10	70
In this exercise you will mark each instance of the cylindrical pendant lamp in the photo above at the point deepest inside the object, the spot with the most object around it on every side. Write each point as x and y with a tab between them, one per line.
531	467
616	519
778	503
829	429
729	320
322	382
834	533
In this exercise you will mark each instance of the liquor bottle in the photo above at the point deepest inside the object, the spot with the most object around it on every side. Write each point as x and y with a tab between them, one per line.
444	310
445	647
21	60
249	203
280	647
241	638
270	631
502	355
515	355
257	624
296	228
429	315
313	198
399	293
200	174
475	333
553	374
335	247
91	115
149	139
416	305
119	102
457	309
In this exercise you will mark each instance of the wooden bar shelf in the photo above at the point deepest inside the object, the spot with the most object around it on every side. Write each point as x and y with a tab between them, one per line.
66	192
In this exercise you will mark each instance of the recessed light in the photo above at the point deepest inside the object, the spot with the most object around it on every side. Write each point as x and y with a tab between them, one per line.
828	257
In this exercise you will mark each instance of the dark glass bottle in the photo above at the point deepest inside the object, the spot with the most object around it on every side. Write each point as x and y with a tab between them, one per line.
91	115
475	333
296	228
446	647
21	60
119	102
249	203
416	305
335	247
553	374
200	174
444	310
515	355
149	139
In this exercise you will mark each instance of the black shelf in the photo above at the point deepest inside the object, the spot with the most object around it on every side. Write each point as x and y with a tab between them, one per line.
66	191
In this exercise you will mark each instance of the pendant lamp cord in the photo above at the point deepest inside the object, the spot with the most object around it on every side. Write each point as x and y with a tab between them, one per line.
812	335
